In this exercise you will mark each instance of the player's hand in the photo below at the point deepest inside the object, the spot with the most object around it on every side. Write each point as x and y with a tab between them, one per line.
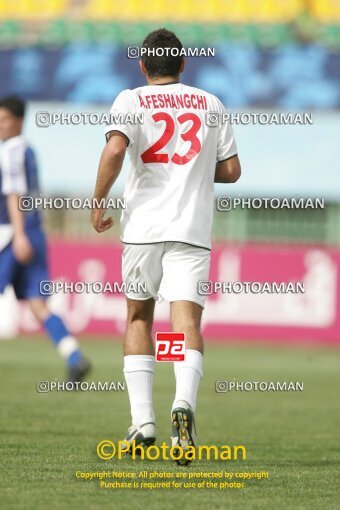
98	222
22	248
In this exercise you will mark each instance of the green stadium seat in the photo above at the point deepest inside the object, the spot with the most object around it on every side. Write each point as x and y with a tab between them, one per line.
55	33
62	31
329	35
268	35
10	33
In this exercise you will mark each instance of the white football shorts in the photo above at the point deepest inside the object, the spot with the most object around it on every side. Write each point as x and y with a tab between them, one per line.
167	271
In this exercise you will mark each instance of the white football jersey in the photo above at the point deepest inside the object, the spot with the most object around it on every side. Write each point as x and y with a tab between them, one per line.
170	187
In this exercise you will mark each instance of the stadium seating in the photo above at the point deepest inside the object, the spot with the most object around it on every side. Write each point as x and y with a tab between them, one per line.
32	9
215	11
266	23
62	31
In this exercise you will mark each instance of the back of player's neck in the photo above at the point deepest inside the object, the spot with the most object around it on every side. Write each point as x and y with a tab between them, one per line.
164	80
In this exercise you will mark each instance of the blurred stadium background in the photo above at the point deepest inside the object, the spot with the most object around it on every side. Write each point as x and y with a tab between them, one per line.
271	55
71	56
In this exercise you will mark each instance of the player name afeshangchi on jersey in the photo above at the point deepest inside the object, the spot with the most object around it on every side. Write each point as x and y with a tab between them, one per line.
175	101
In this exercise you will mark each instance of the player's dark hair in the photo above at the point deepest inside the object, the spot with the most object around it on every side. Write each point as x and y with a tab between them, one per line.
15	105
165	65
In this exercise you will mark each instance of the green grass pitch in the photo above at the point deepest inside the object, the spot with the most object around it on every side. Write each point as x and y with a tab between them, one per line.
295	436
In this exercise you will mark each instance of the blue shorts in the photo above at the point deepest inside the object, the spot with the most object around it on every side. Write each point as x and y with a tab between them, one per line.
25	278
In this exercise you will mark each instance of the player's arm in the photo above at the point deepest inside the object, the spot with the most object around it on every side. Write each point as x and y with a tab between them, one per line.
228	171
110	165
21	245
14	185
228	168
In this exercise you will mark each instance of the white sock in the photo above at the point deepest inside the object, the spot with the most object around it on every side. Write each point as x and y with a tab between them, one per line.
188	374
138	372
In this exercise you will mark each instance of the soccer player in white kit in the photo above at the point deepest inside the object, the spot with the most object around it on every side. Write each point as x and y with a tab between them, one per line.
175	158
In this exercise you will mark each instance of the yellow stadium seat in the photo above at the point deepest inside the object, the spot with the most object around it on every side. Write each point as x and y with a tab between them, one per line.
104	10
326	11
209	11
221	10
5	10
156	10
33	9
237	11
185	10
131	10
274	11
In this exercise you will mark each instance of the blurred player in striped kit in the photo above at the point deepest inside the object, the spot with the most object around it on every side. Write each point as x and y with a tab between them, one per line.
23	257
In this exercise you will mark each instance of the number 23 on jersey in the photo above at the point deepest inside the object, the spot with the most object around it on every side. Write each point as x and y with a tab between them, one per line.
154	155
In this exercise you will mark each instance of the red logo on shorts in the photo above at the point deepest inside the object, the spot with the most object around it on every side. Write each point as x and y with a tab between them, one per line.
170	347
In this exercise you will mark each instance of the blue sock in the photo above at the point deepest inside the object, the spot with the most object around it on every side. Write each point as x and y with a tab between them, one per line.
60	336
74	358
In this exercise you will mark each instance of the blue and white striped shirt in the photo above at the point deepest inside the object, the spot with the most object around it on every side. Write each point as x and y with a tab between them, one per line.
18	174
